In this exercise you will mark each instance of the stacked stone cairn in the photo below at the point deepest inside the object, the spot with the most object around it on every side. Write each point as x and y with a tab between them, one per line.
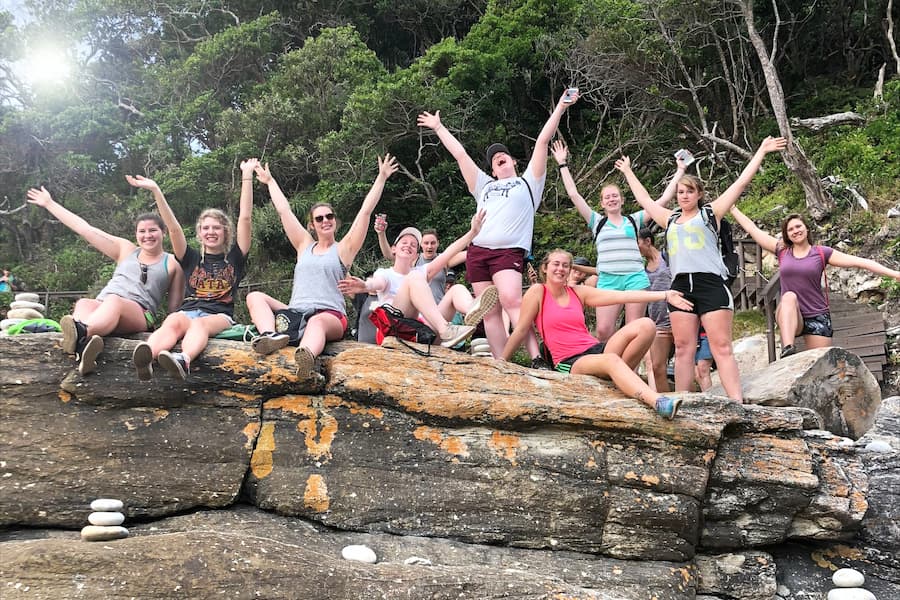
480	347
849	586
23	308
105	522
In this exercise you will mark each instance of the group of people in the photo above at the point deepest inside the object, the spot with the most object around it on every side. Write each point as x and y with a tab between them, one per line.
680	292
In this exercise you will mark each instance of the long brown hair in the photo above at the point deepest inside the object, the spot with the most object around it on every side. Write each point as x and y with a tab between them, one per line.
784	225
309	221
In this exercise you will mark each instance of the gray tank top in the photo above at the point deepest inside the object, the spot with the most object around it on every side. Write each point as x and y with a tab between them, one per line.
126	282
694	248
316	281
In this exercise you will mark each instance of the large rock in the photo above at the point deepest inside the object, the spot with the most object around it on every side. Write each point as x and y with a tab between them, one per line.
832	381
881	525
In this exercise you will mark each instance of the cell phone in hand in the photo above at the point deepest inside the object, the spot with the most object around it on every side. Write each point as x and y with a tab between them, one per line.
570	95
685	156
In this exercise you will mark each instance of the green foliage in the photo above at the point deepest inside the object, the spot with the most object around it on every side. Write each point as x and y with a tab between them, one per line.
748	322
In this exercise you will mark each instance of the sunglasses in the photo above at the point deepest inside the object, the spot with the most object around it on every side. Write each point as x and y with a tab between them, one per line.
143	273
325	217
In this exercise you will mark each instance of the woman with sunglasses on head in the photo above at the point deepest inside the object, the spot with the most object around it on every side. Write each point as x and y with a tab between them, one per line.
211	274
697	267
558	311
803	308
129	301
316	313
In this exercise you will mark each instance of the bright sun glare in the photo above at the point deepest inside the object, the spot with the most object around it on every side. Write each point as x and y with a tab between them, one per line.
47	66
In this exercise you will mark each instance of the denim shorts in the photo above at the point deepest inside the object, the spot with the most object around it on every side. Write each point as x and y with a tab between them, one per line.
196	313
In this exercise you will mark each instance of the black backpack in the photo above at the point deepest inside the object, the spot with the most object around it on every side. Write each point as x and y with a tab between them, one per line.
603	221
726	239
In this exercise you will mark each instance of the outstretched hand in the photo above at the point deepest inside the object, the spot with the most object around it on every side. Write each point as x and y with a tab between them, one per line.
351	285
139	181
40	197
387	166
560	151
624	164
478	221
248	166
772	144
263	175
677	299
431	121
571	99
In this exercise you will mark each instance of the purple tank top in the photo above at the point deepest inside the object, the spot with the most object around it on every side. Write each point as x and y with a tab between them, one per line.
803	276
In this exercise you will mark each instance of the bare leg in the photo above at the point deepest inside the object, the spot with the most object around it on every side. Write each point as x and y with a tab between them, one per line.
685	327
634	311
606	321
172	330
816	341
199	332
262	309
702	374
718	331
611	366
509	286
659	359
789	319
415	297
457	299
633	341
321	328
113	314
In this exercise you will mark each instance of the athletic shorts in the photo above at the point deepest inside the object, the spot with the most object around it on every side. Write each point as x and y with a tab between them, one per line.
818	325
707	291
624	283
483	263
196	313
293	322
565	365
150	320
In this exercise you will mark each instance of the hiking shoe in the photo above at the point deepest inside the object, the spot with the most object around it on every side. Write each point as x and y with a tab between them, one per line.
175	363
455	334
87	358
306	364
538	362
269	342
74	334
482	306
788	351
142	357
667	407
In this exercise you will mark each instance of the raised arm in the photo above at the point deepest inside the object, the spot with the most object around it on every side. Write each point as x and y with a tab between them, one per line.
176	233
244	223
656	211
729	197
467	166
299	237
349	246
384	245
841	259
561	156
669	192
114	247
765	241
538	162
528	312
450	252
175	294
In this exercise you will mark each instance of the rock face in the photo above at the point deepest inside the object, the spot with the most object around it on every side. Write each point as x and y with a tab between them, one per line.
512	482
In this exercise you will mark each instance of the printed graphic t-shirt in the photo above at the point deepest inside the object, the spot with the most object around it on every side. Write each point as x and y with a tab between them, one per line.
210	283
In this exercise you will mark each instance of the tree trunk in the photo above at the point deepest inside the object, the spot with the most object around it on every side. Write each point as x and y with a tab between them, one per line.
818	202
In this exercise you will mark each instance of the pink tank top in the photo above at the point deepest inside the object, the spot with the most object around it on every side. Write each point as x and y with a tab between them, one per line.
562	327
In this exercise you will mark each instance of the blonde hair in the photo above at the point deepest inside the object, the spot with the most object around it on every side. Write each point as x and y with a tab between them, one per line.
694	183
224	220
310	226
546	261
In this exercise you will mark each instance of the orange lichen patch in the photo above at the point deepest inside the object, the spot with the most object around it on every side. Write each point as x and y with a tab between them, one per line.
250	432
505	445
448	443
317	448
686	576
134	422
631	475
650	479
357	409
315	496
617	570
293	404
65	396
823	562
591	463
708	456
240	395
246	368
250	412
261	461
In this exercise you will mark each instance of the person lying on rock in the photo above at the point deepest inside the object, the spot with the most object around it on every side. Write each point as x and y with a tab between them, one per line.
803	308
406	286
128	303
558	311
316	313
211	275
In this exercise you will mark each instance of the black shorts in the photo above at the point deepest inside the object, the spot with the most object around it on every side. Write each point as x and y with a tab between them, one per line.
565	365
818	325
707	291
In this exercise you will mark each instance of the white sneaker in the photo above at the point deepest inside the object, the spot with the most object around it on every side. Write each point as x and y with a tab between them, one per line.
306	364
142	357
482	306
175	363
87	361
455	334
269	342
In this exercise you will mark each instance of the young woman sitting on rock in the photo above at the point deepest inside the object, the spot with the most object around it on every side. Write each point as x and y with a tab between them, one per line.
128	304
558	311
803	308
211	276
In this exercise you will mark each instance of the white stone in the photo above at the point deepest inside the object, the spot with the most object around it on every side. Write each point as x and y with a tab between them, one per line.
107	505
7	323
106	518
856	593
783	591
95	533
23	313
24	304
480	348
27	297
877	446
359	553
417	560
848	578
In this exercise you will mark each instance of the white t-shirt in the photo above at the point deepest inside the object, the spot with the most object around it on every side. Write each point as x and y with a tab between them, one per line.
510	209
395	280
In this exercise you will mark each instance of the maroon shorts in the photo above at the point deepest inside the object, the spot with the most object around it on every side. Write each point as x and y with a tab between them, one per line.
483	263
